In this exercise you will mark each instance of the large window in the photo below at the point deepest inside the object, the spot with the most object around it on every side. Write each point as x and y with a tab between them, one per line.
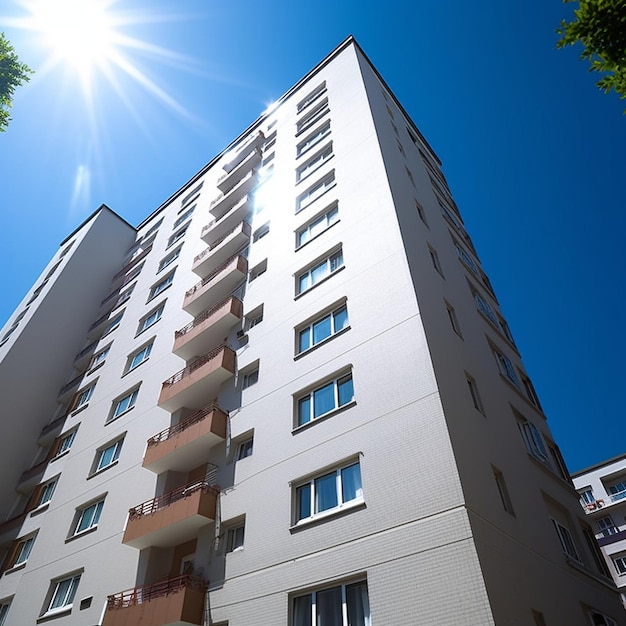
318	272
324	399
345	605
534	441
322	328
506	368
62	593
317	226
87	517
567	541
329	493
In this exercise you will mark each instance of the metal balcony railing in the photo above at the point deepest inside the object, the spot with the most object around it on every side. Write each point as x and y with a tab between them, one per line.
207	279
146	593
183	425
193	366
161	502
203	316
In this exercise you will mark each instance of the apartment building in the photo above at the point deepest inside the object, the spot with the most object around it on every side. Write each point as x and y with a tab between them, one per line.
287	397
602	490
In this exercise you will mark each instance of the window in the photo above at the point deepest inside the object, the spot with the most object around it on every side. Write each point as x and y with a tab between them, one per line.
311	97
99	357
607	527
133	274
318	272
318	225
190	196
483	306
321	401
245	449
473	389
254	318
408	173
124	296
620	564
617	490
170	258
234	539
329	493
322	328
107	456
346	605
259	233
467	260
4	609
65	443
434	259
598	619
151	318
530	391
314	192
315	162
452	317
506	368
596	553
113	323
257	270
539	619
82	397
62	593
153	229
139	357
313	139
87	517
161	286
47	491
502	490
313	116
420	211
177	236
567	542
587	497
124	404
24	548
534	441
184	217
250	378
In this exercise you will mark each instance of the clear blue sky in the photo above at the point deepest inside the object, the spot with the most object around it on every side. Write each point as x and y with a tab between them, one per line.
533	152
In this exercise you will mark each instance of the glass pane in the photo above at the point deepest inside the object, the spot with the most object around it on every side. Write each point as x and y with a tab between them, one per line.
329	607
326	492
358	605
304	410
302	611
324	399
106	457
305	340
351	482
346	391
303	501
321	330
305	282
317	273
336	261
86	518
318	226
341	319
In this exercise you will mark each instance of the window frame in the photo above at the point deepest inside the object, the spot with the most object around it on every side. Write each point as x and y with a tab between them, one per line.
328	217
22	552
534	440
131	365
81	512
83	396
334	257
506	368
314	115
113	323
313	139
156	311
98	358
184	217
311	97
116	444
47	492
312	600
315	191
168	259
130	396
68	596
309	325
161	286
344	376
566	539
313	163
62	446
235	537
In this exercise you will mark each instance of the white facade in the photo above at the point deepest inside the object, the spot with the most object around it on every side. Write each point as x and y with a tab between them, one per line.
299	403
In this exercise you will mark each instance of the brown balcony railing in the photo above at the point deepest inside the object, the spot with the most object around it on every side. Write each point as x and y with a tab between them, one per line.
52	425
203	316
245	227
196	417
211	276
194	365
34	470
160	502
146	593
256	151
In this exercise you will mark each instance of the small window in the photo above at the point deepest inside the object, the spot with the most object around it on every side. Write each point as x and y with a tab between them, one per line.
250	377
467	260
124	296
311	118
324	399
329	492
234	539
177	236
62	593
4	610
65	443
315	191
24	548
314	163
152	318
161	286
139	357
587	497
113	323
153	229
254	318
311	97
319	271
322	328
474	395
566	540
107	455
190	196
530	391
534	441
539	619
47	491
453	320
87	517
184	217
259	233
169	259
123	405
434	258
620	565
257	270
244	449
99	357
132	274
506	368
607	526
420	211
82	397
599	619
502	490
410	176
345	605
317	226
313	139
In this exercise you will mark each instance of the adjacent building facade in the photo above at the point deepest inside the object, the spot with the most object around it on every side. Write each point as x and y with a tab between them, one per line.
602	490
288	397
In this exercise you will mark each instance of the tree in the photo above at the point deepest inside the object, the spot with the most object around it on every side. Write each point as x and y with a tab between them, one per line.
600	25
12	75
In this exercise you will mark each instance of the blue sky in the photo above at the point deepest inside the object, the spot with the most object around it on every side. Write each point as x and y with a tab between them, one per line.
533	153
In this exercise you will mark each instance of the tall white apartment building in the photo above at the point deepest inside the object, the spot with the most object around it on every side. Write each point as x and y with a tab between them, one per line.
288	397
602	490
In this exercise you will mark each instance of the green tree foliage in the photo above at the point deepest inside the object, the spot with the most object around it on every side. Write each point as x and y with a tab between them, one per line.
12	75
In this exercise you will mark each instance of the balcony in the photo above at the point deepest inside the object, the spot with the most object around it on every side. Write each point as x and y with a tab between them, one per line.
221	248
238	154
226	201
199	382
70	387
613	537
221	227
208	329
31	477
82	359
175	601
49	432
228	180
220	283
172	518
184	446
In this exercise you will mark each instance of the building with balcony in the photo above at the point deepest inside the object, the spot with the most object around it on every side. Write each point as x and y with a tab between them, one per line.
602	490
287	397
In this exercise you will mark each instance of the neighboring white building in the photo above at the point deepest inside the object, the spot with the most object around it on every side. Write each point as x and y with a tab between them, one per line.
288	397
602	490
